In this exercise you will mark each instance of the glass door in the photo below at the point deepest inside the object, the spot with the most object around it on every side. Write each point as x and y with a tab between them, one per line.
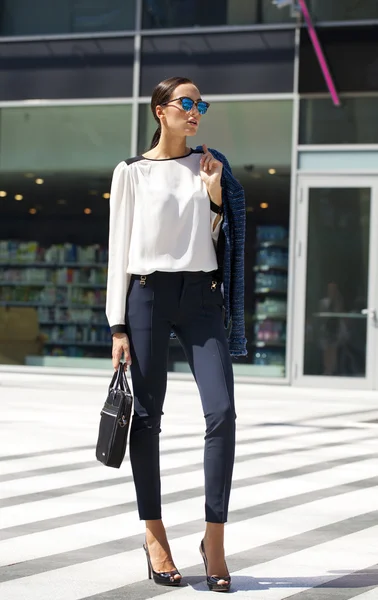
335	295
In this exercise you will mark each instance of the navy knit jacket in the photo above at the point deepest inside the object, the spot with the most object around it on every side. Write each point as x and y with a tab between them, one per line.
231	256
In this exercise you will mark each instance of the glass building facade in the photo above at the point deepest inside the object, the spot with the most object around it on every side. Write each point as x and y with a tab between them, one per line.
75	86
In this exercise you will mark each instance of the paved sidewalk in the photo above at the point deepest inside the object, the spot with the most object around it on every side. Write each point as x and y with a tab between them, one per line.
304	511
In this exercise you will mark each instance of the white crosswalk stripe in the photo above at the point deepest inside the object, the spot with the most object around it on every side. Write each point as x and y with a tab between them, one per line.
303	509
370	595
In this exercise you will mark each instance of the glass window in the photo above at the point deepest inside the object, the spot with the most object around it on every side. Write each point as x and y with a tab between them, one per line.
347	10
354	122
64	138
80	16
256	138
56	165
222	63
190	13
337	281
85	68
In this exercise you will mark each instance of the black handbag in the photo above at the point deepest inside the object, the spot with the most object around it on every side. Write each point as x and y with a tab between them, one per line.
115	421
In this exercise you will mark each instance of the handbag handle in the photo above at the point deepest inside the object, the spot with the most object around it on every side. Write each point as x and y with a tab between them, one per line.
115	382
119	379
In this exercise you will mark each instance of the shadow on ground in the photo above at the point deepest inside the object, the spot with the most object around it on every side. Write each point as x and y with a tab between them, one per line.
360	579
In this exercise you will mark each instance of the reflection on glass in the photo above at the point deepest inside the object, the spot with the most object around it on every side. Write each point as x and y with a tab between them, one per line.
337	282
53	268
189	13
222	62
252	134
82	137
55	171
354	122
345	10
81	16
256	139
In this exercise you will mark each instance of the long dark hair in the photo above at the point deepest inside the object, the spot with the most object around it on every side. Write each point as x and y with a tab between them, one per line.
161	94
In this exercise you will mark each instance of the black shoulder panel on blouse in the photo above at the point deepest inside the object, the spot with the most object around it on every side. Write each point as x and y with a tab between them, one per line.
129	161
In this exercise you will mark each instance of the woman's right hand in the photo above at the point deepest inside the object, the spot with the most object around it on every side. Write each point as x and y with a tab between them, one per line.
121	346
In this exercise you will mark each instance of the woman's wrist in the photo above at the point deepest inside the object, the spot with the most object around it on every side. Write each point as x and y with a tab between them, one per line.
118	329
215	193
216	208
119	336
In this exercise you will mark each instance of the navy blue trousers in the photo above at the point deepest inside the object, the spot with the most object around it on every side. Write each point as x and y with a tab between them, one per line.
185	303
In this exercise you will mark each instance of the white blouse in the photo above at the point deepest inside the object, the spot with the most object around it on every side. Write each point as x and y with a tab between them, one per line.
160	220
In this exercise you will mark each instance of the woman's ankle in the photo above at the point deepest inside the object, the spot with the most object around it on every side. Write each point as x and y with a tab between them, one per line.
214	533
155	531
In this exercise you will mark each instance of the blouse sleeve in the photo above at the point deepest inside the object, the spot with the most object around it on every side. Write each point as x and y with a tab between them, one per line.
120	227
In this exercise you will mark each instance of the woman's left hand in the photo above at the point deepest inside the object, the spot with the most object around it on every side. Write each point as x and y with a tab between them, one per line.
210	170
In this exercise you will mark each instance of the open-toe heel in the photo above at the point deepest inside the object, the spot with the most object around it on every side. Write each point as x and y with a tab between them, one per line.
213	582
165	578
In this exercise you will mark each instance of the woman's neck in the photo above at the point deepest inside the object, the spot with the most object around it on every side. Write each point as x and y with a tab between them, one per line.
168	149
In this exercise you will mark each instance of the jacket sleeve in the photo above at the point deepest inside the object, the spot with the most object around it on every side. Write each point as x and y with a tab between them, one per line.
120	227
237	341
235	214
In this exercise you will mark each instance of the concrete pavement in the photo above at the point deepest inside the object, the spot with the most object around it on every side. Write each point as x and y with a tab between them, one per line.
304	513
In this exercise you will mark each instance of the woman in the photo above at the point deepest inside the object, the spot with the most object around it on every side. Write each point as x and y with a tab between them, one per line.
166	211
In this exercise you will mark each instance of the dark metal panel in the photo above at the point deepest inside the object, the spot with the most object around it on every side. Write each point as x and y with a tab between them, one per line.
343	10
222	63
99	68
352	55
40	17
197	13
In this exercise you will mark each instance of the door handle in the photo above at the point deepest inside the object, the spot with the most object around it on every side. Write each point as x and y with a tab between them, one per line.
371	312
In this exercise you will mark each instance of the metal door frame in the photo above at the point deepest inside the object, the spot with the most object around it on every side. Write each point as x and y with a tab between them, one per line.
305	183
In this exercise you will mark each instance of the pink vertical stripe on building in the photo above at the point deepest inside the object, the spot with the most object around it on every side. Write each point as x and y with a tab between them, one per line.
319	53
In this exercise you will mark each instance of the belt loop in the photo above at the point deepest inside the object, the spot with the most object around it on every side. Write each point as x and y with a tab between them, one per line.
142	280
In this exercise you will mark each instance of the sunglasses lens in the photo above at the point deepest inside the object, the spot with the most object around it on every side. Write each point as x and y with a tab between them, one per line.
202	108
187	104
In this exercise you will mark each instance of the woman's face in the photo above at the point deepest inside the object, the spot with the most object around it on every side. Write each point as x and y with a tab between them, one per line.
175	118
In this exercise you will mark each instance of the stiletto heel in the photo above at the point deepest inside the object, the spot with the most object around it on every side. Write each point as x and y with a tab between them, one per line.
165	578
213	582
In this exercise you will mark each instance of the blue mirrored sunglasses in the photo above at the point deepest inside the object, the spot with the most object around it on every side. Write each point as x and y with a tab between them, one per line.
187	104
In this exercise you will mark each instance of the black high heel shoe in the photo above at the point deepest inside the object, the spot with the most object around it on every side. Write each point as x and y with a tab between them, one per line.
213	582
165	578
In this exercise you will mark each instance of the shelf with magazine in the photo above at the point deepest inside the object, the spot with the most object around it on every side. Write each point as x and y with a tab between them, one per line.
66	285
268	344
